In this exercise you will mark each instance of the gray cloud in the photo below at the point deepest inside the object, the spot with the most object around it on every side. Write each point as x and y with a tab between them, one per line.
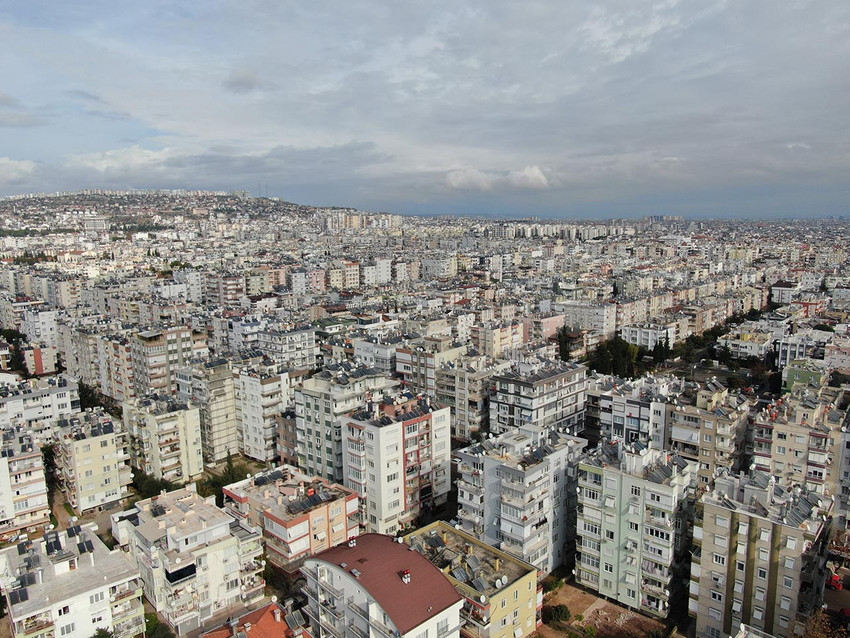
542	106
241	82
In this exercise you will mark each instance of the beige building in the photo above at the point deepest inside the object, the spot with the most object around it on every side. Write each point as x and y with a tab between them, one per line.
758	556
92	458
23	488
300	515
165	438
157	355
711	431
501	596
195	560
210	386
796	439
464	386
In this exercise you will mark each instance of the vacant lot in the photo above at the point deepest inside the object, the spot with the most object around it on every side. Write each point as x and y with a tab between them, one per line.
610	620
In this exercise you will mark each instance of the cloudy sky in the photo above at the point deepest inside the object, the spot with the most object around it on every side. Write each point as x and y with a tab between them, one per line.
552	108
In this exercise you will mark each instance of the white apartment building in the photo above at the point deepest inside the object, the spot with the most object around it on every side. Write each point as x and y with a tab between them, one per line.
549	394
34	401
375	586
295	348
634	505
377	352
165	438
759	556
91	457
585	315
397	457
210	386
195	560
40	326
517	491
260	394
647	335
631	410
23	487
300	515
744	343
321	403
67	583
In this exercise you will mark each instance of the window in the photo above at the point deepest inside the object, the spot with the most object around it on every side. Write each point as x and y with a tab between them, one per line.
789	562
656	498
633	526
635	490
764	554
64	610
716	595
96	598
67	629
713	632
788	582
609	568
761	572
719	559
609	534
721	521
714	613
785	603
758	613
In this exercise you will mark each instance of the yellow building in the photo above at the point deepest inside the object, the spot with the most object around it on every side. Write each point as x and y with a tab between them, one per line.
502	598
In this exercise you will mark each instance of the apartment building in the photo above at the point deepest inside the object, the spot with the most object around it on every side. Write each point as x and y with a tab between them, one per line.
158	354
397	457
297	349
260	393
321	402
498	340
91	459
631	409
634	507
417	364
373	585
39	325
67	583
545	393
377	352
114	366
165	438
647	335
759	556
589	315
747	343
210	386
796	440
517	491
464	386
712	431
195	560
500	592
23	487
27	402
223	289
300	515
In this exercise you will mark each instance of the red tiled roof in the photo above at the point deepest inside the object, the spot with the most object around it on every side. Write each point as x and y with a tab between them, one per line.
381	562
263	625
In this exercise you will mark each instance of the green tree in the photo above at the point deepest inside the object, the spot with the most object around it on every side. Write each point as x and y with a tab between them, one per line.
102	633
17	362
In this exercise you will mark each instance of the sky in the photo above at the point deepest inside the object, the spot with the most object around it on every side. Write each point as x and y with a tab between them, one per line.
580	109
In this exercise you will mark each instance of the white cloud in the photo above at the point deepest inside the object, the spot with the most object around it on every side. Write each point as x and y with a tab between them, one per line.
528	177
470	179
14	171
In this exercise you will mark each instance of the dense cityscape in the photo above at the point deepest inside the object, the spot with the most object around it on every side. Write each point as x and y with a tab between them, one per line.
228	415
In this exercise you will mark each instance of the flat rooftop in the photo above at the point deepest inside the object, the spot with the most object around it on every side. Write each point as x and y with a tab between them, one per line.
470	564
